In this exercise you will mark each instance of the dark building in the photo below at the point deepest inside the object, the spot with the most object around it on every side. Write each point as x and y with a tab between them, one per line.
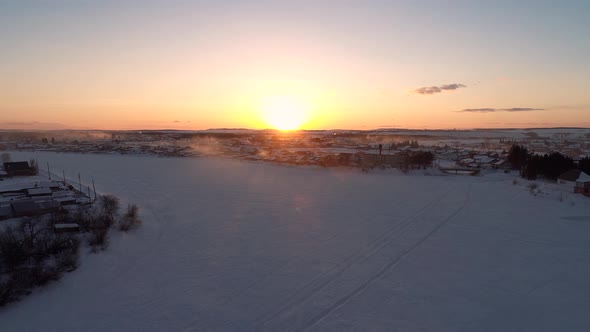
18	168
29	207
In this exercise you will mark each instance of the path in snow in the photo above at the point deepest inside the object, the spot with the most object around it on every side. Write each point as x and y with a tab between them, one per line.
230	245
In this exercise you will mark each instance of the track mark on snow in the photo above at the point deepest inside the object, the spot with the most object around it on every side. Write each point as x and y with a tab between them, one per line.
391	265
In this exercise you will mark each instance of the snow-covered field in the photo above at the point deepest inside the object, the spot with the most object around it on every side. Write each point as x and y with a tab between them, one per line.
238	246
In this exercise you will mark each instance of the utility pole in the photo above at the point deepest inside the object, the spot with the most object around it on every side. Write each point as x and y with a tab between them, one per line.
80	183
48	171
93	187
64	173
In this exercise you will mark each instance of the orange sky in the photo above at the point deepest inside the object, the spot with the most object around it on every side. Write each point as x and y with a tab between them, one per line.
359	66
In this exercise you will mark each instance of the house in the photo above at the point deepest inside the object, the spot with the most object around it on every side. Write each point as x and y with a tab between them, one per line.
39	192
30	207
501	164
575	180
25	207
569	178
583	184
18	168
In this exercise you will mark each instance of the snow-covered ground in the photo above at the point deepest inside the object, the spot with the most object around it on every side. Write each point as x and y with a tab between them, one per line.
228	245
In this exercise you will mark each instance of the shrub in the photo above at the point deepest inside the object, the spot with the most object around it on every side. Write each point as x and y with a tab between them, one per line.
534	189
12	248
5	292
41	274
68	260
109	208
98	238
131	218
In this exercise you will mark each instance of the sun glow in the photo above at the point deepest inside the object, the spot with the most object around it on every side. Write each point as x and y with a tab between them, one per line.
284	112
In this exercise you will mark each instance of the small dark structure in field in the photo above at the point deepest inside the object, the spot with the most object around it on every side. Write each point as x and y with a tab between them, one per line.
66	228
19	168
460	170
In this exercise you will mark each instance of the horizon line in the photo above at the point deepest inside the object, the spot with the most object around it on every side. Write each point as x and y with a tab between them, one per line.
292	131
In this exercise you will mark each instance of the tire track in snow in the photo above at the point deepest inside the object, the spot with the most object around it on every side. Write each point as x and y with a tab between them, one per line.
318	284
391	265
290	260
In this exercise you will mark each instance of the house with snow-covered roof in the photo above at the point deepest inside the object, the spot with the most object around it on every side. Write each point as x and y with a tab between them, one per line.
576	181
569	178
583	184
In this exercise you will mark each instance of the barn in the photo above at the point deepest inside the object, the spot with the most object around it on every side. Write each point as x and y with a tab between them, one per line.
18	168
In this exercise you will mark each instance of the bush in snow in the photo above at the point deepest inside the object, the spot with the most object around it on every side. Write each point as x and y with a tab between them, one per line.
98	238
109	208
130	219
99	220
534	189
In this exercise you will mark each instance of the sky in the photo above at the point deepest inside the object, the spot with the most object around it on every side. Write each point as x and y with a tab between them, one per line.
343	64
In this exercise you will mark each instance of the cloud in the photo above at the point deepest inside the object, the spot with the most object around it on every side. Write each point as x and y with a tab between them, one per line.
521	109
478	110
492	110
430	90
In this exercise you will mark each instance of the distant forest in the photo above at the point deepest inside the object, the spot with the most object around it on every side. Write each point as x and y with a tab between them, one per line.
548	166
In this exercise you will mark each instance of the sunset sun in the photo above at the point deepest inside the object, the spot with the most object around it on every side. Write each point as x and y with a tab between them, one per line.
284	112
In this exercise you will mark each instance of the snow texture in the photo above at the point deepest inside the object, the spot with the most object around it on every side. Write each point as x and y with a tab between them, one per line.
246	246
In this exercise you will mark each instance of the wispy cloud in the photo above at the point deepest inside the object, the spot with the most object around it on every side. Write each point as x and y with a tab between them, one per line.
492	110
430	90
521	109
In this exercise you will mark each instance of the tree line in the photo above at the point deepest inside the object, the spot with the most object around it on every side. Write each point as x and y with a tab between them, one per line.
548	166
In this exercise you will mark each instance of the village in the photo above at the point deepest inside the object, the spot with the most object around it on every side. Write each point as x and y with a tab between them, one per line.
25	194
364	149
30	190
